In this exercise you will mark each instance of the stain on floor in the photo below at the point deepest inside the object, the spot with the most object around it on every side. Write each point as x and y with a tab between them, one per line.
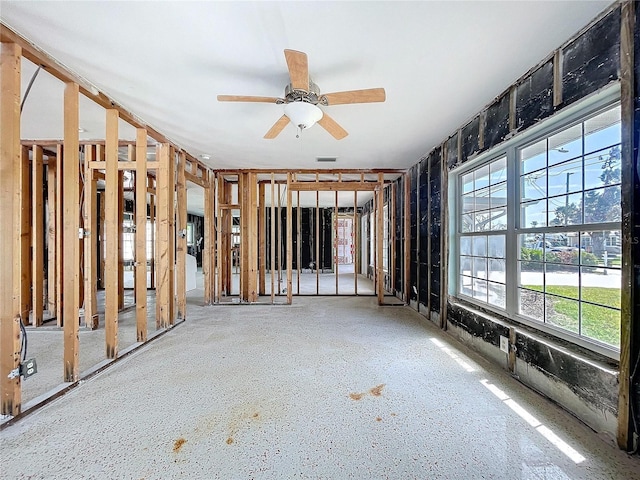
177	445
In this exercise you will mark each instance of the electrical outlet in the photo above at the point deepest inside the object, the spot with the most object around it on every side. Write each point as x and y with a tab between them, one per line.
504	344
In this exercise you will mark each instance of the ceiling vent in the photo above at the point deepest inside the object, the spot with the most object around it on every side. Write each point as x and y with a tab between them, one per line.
326	159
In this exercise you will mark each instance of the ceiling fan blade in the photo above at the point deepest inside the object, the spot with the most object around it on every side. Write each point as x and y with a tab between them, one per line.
277	128
369	95
245	98
331	126
298	69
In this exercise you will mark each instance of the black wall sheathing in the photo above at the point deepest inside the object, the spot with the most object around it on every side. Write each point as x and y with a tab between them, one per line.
534	97
413	254
592	384
470	139
496	126
476	324
423	271
435	224
452	152
592	60
198	233
399	235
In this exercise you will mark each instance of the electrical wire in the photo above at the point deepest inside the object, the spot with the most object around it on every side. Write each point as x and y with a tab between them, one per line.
23	341
26	93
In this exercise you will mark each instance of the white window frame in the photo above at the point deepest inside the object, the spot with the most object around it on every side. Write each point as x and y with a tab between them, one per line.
570	115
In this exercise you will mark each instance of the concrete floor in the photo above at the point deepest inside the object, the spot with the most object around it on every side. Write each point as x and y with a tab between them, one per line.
326	388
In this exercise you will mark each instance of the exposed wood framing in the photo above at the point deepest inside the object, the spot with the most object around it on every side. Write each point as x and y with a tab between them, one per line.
10	151
289	241
273	239
557	77
25	236
355	243
344	186
629	226
163	292
407	239
335	240
208	261
37	235
60	253
444	238
379	239
51	235
392	238
111	235
279	236
298	243
181	250
317	242
262	245
171	179
152	240
71	242
91	243
141	235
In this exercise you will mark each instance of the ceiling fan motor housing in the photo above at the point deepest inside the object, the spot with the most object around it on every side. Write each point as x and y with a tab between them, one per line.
311	96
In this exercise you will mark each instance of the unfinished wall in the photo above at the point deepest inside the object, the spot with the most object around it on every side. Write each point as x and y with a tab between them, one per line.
583	382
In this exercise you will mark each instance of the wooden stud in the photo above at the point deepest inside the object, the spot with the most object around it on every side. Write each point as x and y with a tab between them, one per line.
141	235
181	250
243	198
91	243
379	239
152	240
279	220
111	235
172	234
392	238
163	231
512	351
60	253
273	239
37	235
289	241
407	239
71	266
262	245
629	346
557	77
208	262
24	203
222	238
354	239
10	388
212	237
335	240
51	235
298	242
317	242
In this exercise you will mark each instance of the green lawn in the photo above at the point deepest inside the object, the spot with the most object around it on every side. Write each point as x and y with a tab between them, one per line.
600	323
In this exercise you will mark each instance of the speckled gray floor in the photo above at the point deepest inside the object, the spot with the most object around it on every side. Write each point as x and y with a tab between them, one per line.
326	388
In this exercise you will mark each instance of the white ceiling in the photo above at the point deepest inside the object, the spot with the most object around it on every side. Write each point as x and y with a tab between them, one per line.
440	63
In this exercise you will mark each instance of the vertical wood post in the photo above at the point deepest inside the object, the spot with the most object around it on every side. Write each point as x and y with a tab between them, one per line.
37	235
163	279
262	246
60	254
111	235
91	241
25	236
208	261
141	235
335	239
172	235
273	239
71	216
252	281
354	239
51	235
379	238
298	242
181	250
317	240
10	389
152	231
407	239
289	241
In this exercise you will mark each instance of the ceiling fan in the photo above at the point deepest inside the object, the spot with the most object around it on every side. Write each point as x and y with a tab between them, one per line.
302	97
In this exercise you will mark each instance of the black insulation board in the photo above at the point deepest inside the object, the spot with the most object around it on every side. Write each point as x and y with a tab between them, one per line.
470	139
413	262
424	231
435	224
534	97
399	222
496	126
592	60
452	152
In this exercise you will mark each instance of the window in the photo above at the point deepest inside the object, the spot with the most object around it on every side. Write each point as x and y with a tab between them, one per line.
483	220
550	254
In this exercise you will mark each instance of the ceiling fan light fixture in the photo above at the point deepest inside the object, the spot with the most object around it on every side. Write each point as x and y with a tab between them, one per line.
302	114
